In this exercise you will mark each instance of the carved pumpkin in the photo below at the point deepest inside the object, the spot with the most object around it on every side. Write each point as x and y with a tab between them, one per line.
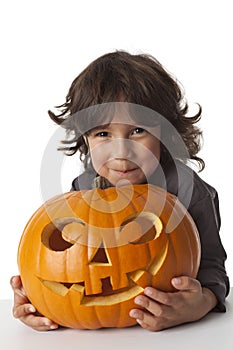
84	256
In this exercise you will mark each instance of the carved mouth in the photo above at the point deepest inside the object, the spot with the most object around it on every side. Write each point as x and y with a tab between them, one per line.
108	296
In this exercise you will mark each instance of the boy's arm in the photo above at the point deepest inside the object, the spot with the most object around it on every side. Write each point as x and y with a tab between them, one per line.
212	273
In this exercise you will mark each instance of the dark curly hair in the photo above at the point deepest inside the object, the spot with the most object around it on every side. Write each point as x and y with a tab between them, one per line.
139	79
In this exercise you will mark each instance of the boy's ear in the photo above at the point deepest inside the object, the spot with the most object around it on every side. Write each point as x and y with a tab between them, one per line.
86	147
85	139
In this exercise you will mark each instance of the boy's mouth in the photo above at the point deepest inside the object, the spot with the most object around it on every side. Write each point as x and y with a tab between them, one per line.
125	171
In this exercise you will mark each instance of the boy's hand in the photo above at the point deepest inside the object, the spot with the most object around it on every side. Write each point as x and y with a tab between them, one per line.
164	310
25	311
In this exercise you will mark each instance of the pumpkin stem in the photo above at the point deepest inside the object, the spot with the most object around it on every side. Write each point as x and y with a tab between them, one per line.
101	182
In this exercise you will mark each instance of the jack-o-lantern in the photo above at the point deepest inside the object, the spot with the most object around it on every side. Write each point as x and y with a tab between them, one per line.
84	256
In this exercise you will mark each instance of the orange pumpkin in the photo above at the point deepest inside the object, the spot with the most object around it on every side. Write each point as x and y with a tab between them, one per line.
84	256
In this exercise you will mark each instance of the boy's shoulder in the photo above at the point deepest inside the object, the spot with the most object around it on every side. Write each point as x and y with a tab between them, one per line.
185	182
84	181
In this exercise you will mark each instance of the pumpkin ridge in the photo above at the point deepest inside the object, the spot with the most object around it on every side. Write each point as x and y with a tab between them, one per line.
134	209
49	311
71	306
115	226
94	311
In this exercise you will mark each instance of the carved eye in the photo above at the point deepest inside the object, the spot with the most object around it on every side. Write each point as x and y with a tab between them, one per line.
141	228
62	233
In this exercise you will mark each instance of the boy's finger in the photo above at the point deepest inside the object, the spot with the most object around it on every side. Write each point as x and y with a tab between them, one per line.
16	285
23	310
158	296
15	282
185	283
39	323
19	298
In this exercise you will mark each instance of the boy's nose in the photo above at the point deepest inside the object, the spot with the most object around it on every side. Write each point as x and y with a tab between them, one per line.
122	148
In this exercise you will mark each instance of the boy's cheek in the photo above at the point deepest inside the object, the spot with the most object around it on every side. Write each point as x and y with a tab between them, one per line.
149	164
99	156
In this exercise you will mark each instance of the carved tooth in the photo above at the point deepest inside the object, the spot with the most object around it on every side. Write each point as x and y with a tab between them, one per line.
78	288
55	287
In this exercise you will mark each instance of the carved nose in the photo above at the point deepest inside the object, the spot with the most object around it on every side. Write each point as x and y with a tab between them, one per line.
100	256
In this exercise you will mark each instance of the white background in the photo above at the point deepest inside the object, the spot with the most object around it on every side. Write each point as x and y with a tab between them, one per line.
46	44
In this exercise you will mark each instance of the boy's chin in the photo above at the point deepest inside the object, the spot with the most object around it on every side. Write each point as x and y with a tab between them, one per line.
123	182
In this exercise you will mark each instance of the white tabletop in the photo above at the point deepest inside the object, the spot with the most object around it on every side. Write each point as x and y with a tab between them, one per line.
212	332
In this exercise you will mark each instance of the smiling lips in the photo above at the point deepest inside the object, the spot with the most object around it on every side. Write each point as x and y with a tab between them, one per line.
126	171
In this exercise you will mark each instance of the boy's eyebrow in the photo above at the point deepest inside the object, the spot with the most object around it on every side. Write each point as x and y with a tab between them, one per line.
100	127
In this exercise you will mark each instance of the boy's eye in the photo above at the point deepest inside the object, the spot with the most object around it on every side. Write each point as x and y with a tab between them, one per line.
138	131
102	134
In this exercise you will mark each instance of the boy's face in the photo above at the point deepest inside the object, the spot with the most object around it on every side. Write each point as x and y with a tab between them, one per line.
124	152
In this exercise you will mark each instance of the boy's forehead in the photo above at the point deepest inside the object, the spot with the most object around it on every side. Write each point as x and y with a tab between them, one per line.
115	112
122	116
129	113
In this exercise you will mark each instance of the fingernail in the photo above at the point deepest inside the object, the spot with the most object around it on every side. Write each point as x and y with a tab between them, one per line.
53	326
12	280
148	292
31	309
15	313
139	321
47	323
139	301
133	313
176	281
